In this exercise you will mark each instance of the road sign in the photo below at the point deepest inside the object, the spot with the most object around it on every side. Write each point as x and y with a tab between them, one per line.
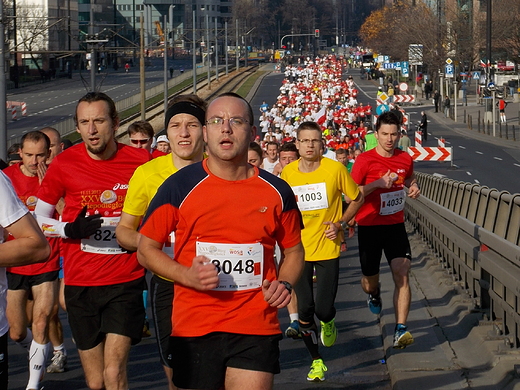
383	97
475	75
389	65
398	65
403	87
449	61
404	98
449	70
404	68
430	154
415	54
382	108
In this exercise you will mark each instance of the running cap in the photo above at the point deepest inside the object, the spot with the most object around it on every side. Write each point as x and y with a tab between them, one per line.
184	108
162	138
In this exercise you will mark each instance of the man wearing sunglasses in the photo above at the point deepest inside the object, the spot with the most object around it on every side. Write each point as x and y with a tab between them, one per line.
141	136
227	216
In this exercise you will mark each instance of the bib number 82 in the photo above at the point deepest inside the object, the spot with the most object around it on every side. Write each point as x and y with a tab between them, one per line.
105	235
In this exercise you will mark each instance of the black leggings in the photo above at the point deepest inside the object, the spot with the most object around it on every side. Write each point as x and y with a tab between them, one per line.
327	273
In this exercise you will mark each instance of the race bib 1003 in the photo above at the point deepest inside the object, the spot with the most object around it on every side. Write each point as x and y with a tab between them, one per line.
240	266
392	202
311	196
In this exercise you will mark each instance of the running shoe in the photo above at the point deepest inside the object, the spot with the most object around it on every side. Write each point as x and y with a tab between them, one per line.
317	372
293	330
329	333
374	303
146	329
58	362
402	338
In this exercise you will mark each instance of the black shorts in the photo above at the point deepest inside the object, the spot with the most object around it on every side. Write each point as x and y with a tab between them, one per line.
161	293
98	310
373	240
25	282
200	362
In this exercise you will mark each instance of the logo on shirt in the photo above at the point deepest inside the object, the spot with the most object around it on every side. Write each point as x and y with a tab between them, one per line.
263	209
108	196
119	186
31	201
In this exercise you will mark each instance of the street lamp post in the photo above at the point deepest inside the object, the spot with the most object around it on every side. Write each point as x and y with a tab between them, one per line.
165	55
207	51
194	53
216	51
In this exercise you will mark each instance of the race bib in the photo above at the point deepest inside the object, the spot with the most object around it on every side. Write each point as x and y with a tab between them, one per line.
392	202
103	241
240	266
311	196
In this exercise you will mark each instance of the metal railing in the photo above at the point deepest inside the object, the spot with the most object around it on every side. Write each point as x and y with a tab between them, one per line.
475	232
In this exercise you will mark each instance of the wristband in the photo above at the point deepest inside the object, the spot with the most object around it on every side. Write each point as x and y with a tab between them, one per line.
287	285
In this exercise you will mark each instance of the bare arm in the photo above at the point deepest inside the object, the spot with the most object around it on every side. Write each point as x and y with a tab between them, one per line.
202	275
413	188
334	227
126	232
29	245
277	169
291	268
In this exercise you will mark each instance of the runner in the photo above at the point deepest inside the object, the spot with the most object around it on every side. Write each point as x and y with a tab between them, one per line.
382	173
271	158
318	183
183	122
224	257
141	135
39	280
29	246
104	284
59	354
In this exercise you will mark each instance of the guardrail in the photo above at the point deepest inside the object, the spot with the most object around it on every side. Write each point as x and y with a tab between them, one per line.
475	232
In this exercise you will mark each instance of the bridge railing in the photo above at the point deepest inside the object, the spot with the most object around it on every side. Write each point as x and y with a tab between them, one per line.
475	232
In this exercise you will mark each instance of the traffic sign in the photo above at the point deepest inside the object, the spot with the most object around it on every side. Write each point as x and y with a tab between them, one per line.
430	154
449	61
403	87
398	65
404	98
475	75
449	70
382	108
404	68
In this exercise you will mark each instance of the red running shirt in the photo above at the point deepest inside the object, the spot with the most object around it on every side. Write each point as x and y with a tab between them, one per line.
101	185
380	207
26	188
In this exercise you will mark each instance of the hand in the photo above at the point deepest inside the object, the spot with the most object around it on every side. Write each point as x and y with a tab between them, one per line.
332	231
276	294
83	226
386	181
41	171
202	275
414	191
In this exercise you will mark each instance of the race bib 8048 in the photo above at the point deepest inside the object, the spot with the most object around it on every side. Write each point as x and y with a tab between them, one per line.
240	266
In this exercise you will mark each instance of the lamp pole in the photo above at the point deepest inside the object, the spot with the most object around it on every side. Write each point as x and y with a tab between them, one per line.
207	51
194	53
226	48
216	51
165	55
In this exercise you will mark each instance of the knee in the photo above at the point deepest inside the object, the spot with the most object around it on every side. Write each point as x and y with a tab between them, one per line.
114	373
17	334
95	384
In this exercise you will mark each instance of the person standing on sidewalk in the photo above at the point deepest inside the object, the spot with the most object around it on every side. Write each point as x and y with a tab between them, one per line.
447	105
436	100
382	173
318	184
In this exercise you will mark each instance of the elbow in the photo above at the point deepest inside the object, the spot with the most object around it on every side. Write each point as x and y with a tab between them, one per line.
43	252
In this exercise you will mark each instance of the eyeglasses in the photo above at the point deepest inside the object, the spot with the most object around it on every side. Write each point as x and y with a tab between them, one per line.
140	141
310	141
235	122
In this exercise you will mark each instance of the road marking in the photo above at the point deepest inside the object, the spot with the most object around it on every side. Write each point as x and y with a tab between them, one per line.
497	158
476	151
518	165
476	181
469	173
462	147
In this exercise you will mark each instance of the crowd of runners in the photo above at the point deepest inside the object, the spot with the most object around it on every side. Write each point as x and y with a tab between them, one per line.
223	265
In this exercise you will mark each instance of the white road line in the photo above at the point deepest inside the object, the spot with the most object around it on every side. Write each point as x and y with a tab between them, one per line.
476	181
497	158
476	151
469	173
518	165
462	147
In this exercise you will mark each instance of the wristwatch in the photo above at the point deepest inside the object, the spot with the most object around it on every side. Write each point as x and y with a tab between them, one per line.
343	224
287	285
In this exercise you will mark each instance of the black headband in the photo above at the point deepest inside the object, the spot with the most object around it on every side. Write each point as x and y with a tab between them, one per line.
184	108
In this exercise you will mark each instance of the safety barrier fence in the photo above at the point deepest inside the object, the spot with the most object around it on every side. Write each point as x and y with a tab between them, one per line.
475	232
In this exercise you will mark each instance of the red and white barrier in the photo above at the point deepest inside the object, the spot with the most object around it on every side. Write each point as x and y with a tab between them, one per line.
24	109
404	98
430	154
13	113
418	138
12	106
441	142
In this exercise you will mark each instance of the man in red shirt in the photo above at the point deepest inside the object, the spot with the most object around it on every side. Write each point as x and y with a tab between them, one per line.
39	279
103	283
382	174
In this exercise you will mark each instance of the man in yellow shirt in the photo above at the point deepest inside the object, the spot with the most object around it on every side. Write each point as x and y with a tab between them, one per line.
183	122
318	184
